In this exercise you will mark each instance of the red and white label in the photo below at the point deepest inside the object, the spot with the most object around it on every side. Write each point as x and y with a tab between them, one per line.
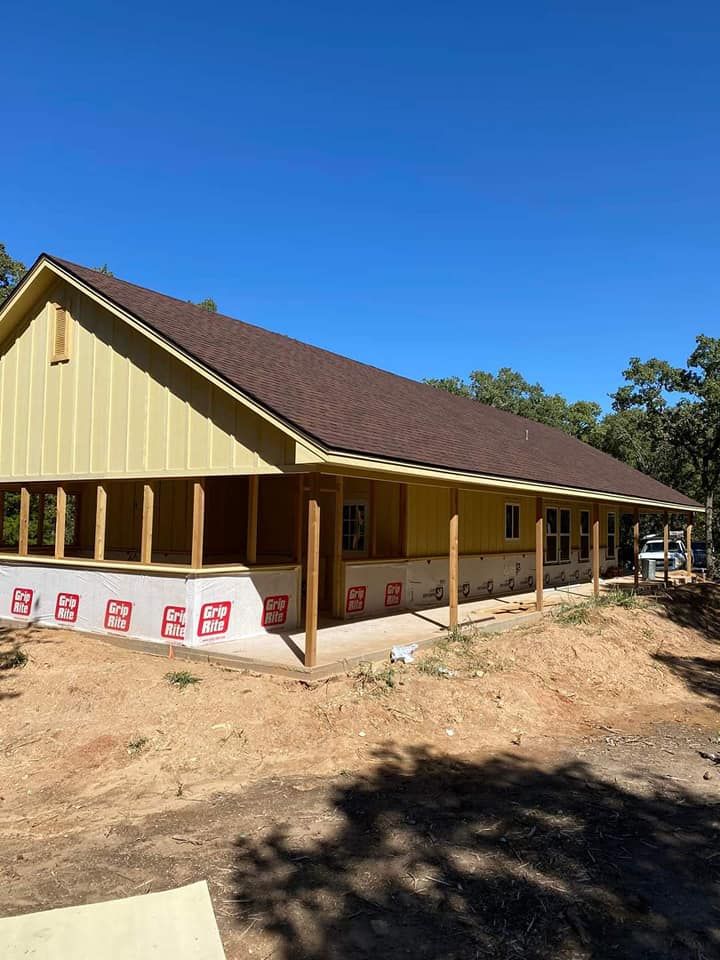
21	602
66	607
275	611
214	618
118	614
393	594
173	623
355	601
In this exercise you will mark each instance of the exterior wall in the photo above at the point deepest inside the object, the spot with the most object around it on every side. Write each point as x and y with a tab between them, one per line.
192	610
120	406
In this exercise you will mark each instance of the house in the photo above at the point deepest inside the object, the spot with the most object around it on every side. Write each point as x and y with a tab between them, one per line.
183	477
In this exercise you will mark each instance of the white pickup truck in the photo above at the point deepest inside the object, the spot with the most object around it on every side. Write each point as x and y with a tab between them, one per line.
653	549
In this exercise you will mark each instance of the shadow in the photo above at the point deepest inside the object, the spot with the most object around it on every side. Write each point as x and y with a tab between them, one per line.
700	674
14	642
433	857
694	605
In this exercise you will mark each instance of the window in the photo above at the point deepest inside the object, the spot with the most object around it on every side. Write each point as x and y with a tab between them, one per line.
564	536
354	538
512	521
557	535
611	521
61	334
584	534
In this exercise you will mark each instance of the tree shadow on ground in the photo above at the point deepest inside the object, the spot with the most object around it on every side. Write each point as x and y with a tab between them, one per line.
434	857
700	674
694	605
14	645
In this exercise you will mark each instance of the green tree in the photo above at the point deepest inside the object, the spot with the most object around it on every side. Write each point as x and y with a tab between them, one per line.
207	304
10	273
682	411
104	268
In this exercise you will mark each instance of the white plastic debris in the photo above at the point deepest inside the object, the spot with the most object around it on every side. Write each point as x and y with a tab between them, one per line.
403	654
450	732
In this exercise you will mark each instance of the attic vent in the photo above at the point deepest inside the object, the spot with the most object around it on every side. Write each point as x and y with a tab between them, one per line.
60	334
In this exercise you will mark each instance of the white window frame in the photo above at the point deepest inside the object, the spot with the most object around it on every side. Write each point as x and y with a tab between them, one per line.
513	507
558	537
356	551
608	554
584	556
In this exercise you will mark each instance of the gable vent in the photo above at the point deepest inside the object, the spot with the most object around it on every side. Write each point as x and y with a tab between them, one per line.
60	334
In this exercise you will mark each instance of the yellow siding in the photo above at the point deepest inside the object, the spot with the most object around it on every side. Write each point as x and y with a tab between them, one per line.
387	519
428	521
121	406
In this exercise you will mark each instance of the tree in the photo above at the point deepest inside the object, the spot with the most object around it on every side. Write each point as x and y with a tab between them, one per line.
105	269
207	304
688	429
10	273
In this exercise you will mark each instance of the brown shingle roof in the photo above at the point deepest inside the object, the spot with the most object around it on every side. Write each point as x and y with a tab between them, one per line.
352	407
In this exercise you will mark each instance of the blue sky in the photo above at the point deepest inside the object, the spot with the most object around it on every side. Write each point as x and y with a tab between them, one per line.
429	187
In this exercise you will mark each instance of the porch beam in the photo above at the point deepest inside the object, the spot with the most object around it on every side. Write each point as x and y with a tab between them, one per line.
60	520
596	549
666	546
636	547
313	572
148	514
688	545
539	553
252	518
454	558
24	522
198	523
100	520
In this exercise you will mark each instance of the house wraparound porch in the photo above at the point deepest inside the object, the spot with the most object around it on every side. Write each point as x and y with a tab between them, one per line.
240	561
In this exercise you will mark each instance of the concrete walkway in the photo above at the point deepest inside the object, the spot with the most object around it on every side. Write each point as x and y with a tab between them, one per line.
344	644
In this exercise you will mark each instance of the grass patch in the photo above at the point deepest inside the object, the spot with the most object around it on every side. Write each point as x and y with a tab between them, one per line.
581	612
371	679
459	654
181	678
136	745
11	659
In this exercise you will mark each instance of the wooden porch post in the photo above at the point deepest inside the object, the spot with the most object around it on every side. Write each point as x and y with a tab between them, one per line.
100	520
60	515
148	513
313	572
596	550
198	525
338	585
24	522
688	545
539	554
636	547
403	520
299	502
252	518
454	558
666	545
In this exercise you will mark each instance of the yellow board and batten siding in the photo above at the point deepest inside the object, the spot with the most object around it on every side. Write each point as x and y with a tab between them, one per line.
121	406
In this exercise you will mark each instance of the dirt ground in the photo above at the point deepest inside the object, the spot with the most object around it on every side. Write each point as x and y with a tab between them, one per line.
538	793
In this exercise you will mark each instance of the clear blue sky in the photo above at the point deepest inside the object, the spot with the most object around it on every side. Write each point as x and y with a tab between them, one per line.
430	187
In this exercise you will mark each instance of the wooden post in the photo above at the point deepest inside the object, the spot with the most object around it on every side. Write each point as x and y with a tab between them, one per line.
100	520
539	554
403	520
198	523
24	522
252	518
372	539
40	534
313	572
596	550
338	584
636	547
666	546
299	504
148	513
454	558
60	515
688	545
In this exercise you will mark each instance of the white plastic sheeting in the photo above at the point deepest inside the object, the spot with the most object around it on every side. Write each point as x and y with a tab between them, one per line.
379	587
167	608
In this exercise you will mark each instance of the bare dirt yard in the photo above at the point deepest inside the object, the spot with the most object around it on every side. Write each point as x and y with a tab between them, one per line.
534	794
